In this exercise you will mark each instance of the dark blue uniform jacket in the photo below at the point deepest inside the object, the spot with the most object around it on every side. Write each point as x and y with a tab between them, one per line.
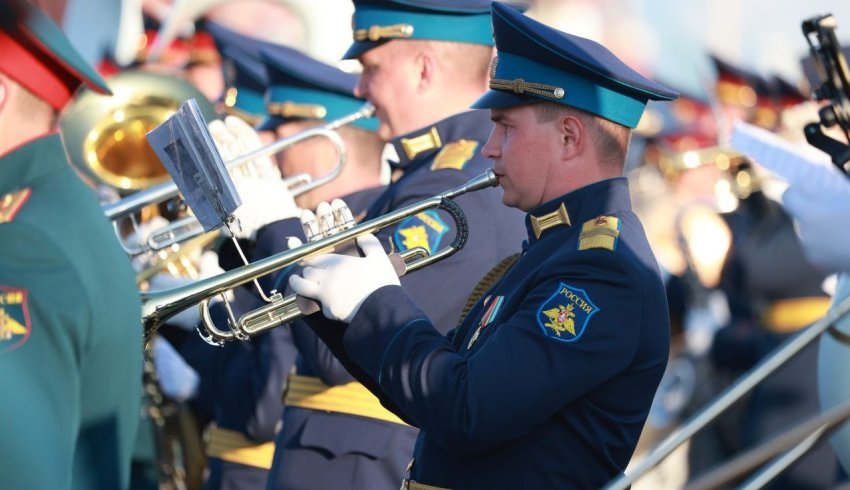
241	382
369	453
548	381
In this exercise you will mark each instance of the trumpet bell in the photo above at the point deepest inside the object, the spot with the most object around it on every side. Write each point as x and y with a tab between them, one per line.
105	135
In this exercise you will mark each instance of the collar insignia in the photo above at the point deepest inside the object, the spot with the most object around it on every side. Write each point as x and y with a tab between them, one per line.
551	220
15	325
455	155
424	142
565	315
599	232
11	204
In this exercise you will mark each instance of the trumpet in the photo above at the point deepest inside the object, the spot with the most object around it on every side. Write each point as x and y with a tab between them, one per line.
189	227
159	306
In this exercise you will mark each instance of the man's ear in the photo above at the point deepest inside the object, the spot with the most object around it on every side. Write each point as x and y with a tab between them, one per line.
4	91
427	69
573	135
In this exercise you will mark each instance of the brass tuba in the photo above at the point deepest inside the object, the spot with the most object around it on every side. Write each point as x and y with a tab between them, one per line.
105	136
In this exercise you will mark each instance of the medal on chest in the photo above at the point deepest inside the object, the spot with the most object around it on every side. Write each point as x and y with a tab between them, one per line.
491	309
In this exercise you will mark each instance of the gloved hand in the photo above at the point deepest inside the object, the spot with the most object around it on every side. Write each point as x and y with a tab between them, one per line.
818	196
264	201
177	379
234	137
821	217
341	283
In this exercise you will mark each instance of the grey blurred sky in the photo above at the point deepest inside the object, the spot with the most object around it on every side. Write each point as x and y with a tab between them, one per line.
671	39
763	35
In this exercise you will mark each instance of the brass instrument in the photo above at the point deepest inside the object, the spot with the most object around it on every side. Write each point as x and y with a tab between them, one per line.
105	135
724	158
159	306
189	227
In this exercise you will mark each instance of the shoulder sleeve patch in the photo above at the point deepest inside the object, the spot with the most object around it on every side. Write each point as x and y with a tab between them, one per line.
455	155
599	232
11	204
15	324
425	230
565	315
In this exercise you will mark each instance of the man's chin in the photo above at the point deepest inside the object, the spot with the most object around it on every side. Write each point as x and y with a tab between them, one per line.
508	200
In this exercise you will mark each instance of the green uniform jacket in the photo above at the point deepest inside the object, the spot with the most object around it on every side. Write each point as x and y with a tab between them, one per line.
70	330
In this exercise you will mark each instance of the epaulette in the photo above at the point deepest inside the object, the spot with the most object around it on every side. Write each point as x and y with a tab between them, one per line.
455	155
599	232
11	204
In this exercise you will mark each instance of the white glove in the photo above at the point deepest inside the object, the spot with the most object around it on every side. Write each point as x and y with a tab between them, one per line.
264	201
234	137
177	379
818	196
822	218
340	282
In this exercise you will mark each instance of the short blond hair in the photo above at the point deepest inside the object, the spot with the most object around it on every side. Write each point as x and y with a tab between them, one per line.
610	139
463	61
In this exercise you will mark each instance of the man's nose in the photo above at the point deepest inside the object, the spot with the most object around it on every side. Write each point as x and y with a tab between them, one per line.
360	89
491	147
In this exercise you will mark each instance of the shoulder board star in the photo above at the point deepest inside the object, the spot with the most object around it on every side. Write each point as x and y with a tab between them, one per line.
455	155
599	232
11	204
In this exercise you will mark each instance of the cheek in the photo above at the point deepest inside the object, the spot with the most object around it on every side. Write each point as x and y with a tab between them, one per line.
294	161
398	91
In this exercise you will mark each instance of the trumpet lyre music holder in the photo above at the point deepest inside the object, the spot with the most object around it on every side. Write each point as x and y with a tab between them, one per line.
187	228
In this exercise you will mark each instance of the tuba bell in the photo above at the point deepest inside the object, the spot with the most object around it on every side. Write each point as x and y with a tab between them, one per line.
105	136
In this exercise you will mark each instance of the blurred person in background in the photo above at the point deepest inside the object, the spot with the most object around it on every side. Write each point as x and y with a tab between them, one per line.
70	338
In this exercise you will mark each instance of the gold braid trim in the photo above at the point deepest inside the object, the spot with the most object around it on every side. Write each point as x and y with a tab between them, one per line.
291	109
376	33
487	282
520	86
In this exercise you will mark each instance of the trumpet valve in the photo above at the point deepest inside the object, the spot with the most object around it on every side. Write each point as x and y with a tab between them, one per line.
343	218
325	217
310	226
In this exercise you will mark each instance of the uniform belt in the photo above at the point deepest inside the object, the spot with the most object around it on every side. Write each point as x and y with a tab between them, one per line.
790	315
413	485
233	446
351	398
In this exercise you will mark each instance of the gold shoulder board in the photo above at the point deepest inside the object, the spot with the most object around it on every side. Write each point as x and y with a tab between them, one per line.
599	232
455	155
11	203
